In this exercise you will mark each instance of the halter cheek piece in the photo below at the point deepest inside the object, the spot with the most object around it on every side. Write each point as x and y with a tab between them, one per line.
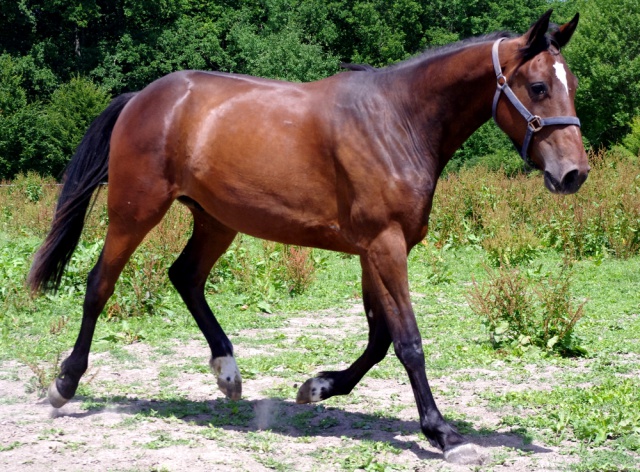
534	122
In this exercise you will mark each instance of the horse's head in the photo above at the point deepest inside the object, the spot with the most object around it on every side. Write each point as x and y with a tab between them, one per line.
534	104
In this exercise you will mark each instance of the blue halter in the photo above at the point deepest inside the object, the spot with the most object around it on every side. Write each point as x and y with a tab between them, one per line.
534	122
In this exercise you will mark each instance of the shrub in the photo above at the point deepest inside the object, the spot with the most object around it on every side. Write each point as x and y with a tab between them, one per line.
511	246
632	140
488	147
475	205
298	268
42	137
27	205
261	272
520	312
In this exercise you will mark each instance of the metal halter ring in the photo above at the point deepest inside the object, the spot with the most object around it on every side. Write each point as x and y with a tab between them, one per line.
535	124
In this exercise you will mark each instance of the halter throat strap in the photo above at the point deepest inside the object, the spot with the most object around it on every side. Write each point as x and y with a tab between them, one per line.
534	122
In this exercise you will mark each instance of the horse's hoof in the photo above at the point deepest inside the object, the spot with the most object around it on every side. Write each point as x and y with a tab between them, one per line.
465	454
314	390
56	400
229	379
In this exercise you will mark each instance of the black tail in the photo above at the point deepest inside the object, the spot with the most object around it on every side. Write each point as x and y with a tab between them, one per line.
87	169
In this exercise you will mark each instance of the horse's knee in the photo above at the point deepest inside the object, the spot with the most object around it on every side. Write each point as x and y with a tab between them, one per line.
410	353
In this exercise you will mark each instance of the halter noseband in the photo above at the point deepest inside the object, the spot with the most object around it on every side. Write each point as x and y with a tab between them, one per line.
534	122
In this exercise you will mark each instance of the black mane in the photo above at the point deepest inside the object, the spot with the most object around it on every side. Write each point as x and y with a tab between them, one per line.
431	53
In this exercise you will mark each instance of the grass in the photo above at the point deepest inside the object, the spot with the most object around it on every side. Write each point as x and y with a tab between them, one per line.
610	330
585	406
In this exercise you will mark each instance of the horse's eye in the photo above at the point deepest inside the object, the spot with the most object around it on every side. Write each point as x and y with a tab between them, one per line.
538	88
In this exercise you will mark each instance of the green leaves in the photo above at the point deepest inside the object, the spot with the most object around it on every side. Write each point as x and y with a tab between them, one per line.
592	414
282	54
605	56
42	137
522	312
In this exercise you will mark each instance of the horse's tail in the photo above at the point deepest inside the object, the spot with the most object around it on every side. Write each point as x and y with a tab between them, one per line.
86	170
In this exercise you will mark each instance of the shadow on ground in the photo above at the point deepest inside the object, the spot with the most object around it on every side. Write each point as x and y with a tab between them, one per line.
288	418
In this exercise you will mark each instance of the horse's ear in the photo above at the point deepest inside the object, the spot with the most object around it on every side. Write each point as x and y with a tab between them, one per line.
535	39
564	33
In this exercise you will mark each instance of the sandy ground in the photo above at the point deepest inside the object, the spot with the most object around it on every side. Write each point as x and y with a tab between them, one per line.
155	412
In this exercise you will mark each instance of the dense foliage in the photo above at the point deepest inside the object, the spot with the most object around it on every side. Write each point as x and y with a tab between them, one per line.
61	60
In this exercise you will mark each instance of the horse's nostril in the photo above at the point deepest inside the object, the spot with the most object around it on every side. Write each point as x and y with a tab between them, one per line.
572	181
570	178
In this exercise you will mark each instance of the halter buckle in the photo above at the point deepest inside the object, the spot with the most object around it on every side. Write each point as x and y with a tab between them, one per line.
502	81
535	124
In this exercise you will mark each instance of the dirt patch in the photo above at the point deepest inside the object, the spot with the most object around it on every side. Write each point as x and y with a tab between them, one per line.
160	410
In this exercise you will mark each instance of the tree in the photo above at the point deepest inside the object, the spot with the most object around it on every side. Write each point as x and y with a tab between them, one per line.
604	53
42	137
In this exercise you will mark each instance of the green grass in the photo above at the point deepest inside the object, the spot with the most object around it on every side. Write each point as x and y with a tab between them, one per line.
586	406
608	410
366	455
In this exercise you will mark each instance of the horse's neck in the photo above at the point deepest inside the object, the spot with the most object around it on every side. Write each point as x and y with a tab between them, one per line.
451	98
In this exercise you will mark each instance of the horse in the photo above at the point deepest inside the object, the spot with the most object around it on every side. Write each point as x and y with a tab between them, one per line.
348	163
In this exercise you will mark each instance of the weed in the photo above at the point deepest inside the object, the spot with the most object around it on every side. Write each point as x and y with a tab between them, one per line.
164	439
480	205
49	433
273	464
43	374
606	461
367	455
213	433
520	312
10	446
434	258
261	442
298	268
126	334
232	413
511	247
595	415
58	325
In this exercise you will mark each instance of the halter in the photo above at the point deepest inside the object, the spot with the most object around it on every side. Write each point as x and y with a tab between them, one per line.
534	122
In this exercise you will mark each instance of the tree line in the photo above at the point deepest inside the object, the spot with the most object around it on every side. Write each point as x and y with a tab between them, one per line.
61	61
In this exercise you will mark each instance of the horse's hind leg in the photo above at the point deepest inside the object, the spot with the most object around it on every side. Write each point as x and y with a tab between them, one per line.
328	384
188	274
129	222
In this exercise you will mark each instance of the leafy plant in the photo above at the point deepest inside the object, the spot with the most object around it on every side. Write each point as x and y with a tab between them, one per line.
520	312
298	268
632	140
594	414
440	271
44	372
511	247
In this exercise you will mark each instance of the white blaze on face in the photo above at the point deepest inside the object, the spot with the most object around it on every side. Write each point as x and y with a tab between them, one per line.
561	73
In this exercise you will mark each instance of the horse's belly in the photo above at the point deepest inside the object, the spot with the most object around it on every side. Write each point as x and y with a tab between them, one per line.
293	207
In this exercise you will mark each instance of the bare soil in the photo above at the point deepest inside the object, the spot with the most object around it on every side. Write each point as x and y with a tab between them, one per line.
151	410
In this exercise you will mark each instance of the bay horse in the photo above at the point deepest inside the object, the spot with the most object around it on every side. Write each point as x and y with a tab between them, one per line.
348	163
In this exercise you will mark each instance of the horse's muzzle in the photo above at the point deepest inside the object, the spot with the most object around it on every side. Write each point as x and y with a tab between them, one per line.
570	182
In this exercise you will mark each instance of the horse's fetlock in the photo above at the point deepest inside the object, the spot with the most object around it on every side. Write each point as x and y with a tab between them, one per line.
73	368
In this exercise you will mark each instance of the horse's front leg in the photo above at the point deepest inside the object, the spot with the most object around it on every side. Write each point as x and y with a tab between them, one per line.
387	262
386	292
